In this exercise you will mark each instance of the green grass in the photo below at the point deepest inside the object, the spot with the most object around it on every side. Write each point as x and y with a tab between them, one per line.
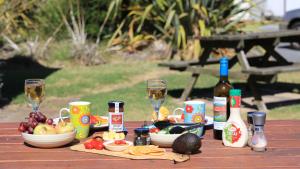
118	81
75	81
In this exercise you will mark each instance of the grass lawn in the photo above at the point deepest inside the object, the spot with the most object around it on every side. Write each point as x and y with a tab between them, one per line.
126	81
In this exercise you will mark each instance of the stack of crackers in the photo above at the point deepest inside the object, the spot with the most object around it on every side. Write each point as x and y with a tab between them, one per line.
145	150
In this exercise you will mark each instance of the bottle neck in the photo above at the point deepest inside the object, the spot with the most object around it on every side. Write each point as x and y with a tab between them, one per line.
223	78
235	114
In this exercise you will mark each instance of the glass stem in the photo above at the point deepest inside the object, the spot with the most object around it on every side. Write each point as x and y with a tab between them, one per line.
156	109
35	107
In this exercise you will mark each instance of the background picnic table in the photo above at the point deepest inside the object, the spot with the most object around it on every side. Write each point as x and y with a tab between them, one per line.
283	151
256	69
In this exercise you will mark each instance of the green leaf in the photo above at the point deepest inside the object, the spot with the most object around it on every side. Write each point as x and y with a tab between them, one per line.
137	13
146	13
161	29
161	4
169	20
182	15
179	3
183	36
202	27
118	31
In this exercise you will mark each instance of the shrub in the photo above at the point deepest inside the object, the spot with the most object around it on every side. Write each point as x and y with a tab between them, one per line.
174	21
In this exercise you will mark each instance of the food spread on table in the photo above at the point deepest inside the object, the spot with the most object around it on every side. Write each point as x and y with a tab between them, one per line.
181	133
38	124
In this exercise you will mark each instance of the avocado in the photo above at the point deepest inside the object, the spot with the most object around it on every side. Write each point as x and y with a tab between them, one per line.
187	143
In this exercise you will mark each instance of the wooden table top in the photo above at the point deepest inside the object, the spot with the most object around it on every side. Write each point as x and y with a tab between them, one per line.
283	151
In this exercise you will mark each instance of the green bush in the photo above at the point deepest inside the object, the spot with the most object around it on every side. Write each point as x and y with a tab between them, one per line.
94	12
172	20
16	17
48	17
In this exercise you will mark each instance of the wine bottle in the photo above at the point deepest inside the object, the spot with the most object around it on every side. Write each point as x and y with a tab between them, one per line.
221	106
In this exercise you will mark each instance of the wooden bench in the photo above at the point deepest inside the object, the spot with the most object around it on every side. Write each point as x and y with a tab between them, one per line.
254	69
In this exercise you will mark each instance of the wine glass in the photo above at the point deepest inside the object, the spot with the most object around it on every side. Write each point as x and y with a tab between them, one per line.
157	91
34	92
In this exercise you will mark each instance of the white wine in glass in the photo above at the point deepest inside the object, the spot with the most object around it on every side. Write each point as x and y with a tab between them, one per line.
157	91
34	92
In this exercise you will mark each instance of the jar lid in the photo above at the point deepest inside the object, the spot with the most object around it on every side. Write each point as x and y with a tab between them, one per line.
250	117
259	118
113	103
235	92
140	131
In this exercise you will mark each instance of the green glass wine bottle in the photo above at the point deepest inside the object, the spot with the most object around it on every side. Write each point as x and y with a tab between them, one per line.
221	106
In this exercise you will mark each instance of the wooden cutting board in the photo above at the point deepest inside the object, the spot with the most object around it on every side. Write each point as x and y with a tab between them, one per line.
167	156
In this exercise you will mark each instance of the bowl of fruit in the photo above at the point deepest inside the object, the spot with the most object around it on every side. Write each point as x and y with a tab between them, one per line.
41	132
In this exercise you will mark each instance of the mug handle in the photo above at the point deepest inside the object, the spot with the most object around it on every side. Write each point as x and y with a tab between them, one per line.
62	110
174	112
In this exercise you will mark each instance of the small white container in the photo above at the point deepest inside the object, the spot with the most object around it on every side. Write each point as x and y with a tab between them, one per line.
118	147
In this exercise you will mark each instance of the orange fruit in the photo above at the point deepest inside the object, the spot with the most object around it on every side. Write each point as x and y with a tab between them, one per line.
163	114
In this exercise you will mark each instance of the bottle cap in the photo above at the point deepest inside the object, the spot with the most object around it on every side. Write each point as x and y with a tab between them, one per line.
140	131
224	60
224	66
259	118
113	103
250	117
235	92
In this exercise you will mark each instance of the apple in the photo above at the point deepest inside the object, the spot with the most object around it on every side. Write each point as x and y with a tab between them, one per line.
42	129
64	127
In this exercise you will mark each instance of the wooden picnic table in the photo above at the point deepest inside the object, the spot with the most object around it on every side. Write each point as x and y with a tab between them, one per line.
283	151
254	69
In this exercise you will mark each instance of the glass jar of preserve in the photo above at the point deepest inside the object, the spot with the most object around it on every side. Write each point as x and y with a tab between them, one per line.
142	136
116	116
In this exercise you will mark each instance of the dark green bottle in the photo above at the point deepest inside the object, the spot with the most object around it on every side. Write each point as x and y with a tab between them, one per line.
221	107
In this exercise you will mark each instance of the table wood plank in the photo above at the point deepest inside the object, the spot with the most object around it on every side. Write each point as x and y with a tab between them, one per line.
195	162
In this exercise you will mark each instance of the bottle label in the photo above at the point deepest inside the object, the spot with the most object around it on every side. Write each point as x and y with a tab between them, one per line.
116	121
232	133
117	107
219	112
235	101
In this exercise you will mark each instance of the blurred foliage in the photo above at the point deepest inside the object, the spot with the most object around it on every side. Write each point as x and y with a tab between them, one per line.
130	23
47	17
95	12
173	20
16	17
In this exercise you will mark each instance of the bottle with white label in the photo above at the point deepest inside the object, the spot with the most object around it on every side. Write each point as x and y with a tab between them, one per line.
221	100
116	116
235	133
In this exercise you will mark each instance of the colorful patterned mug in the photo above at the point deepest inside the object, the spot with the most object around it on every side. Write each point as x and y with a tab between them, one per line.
193	112
80	117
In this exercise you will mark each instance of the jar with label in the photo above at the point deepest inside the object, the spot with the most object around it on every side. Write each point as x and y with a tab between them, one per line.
142	136
235	133
259	141
116	116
